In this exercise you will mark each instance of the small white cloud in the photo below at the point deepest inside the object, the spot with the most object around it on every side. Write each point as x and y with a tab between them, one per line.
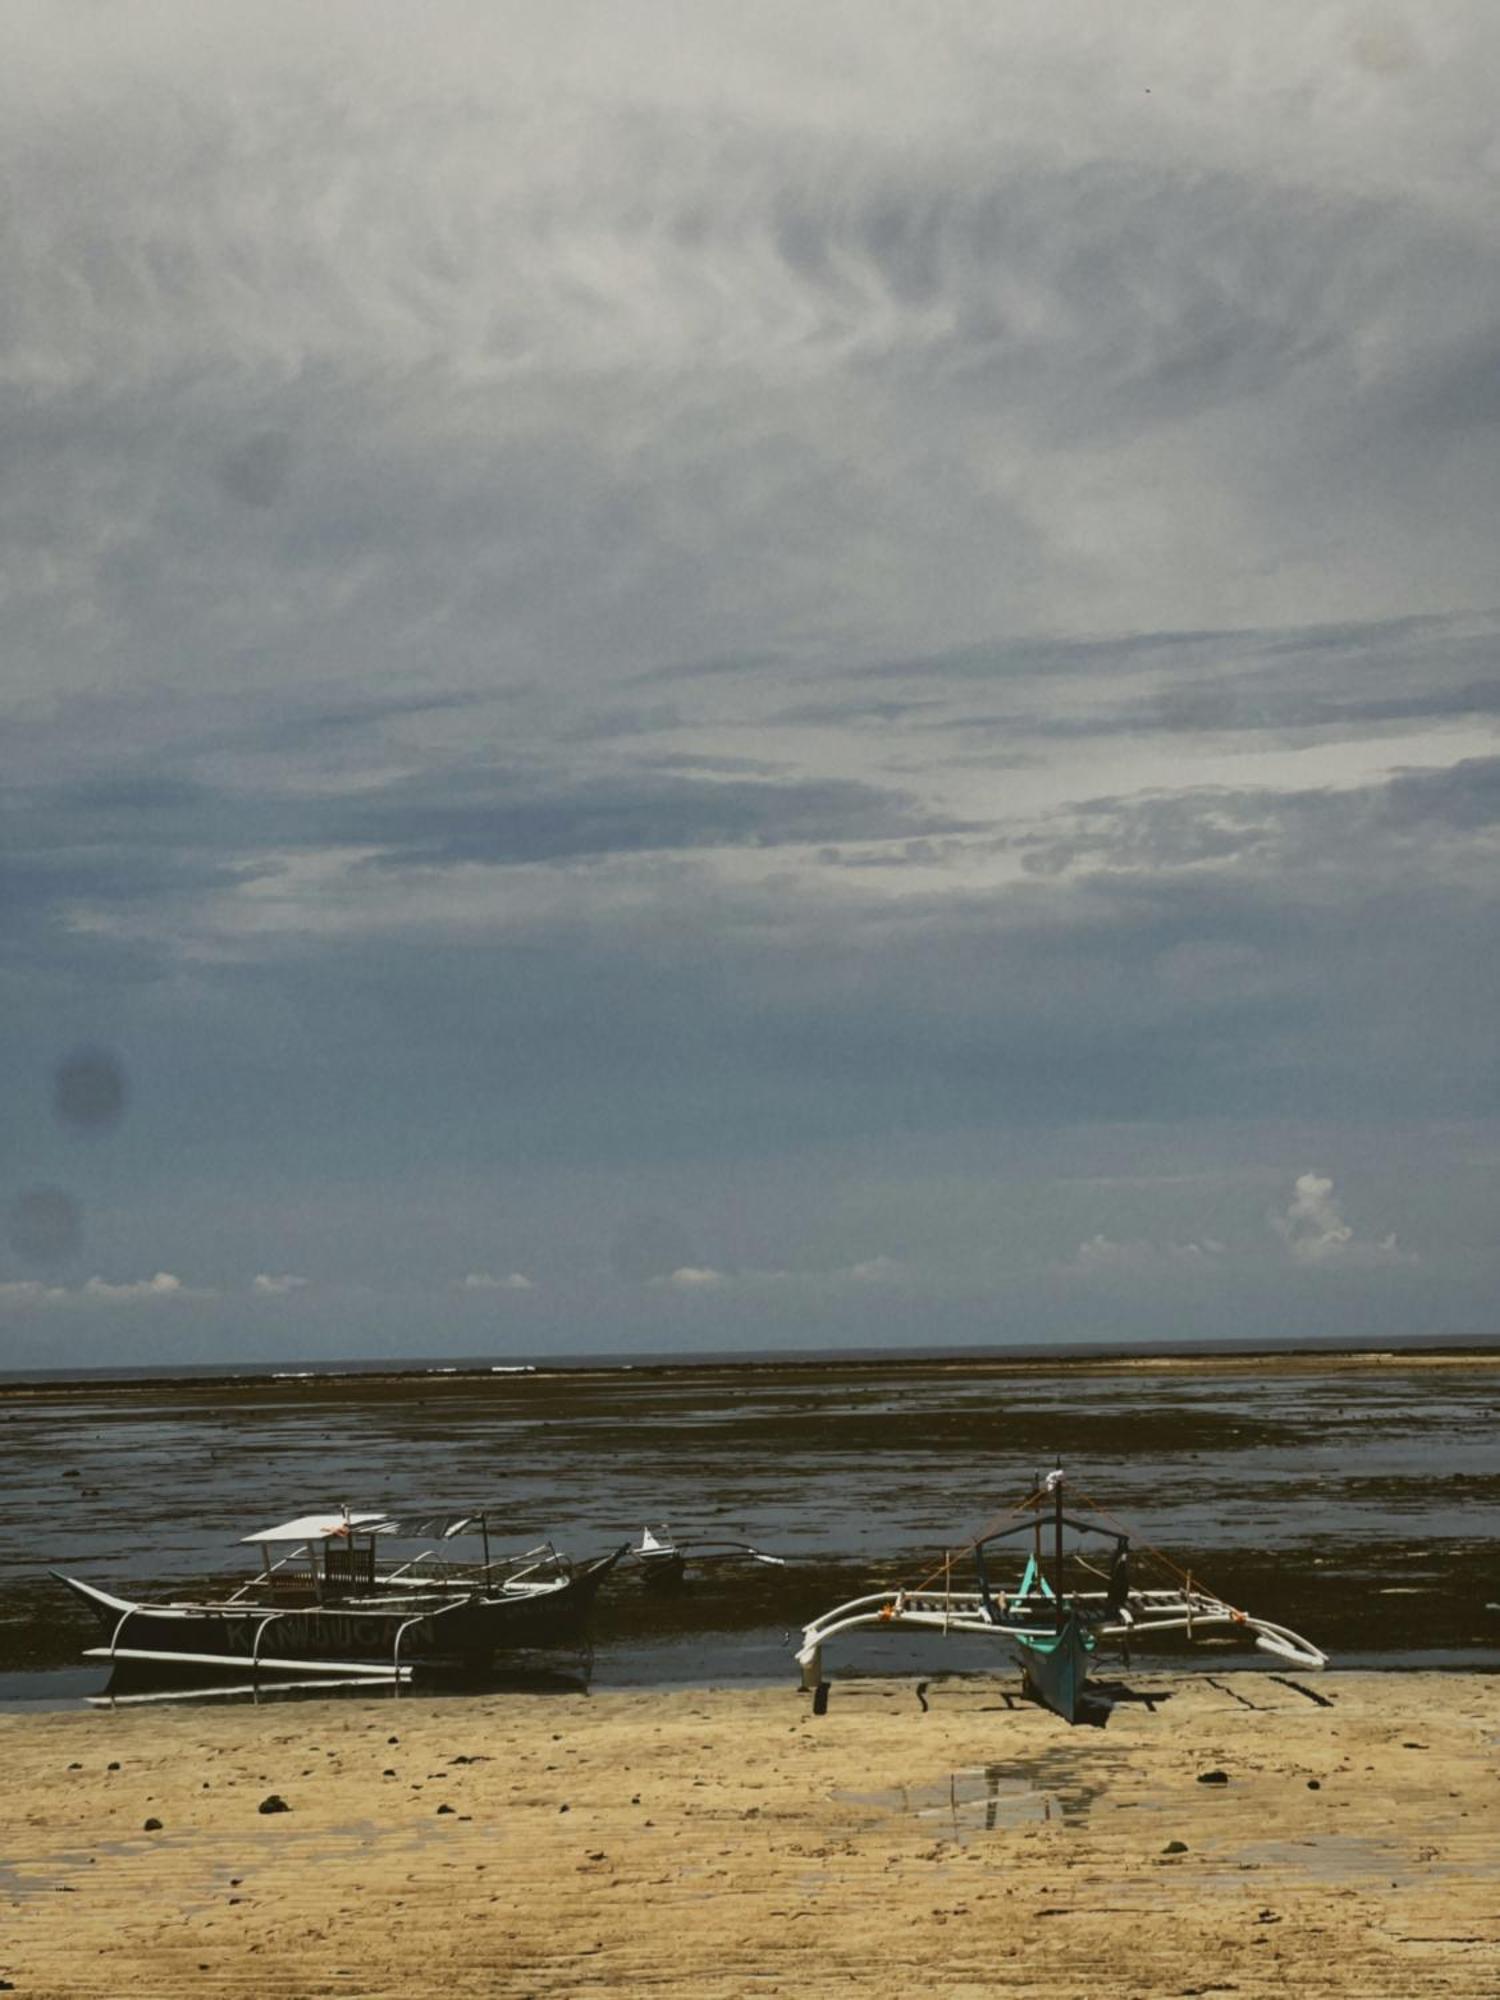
875	1270
1196	1253
485	1281
1103	1253
1316	1235
163	1287
265	1286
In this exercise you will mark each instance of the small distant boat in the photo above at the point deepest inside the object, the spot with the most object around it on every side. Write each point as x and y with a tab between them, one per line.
331	1599
664	1560
1049	1625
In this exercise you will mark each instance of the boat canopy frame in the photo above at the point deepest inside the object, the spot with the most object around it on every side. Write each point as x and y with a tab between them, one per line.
348	1540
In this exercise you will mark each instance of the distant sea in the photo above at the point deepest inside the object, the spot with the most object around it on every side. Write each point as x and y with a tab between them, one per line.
1353	1496
478	1364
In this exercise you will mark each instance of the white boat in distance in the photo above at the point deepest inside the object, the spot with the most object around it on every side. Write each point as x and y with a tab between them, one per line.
333	1596
1049	1625
664	1560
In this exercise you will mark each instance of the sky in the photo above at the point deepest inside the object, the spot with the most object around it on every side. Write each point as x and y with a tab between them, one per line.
697	677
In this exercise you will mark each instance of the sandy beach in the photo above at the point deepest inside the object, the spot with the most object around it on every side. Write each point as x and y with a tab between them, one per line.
933	1836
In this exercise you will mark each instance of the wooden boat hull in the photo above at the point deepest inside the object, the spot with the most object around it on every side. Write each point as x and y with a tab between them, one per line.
466	1631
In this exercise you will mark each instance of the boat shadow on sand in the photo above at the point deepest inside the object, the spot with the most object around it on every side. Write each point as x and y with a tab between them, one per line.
1102	1698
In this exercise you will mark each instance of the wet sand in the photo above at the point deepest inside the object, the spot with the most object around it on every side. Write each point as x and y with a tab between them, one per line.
725	1843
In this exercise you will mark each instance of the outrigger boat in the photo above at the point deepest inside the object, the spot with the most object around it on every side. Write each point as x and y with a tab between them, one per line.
1049	1626
664	1560
329	1600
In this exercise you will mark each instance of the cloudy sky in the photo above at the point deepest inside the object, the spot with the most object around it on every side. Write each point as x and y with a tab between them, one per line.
685	676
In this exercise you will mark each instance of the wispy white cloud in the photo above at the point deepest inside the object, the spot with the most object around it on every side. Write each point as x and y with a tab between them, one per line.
486	1281
164	1285
874	1270
269	1285
1104	1254
164	1288
19	1293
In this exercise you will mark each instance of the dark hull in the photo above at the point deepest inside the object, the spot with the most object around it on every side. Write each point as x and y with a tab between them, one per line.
663	1571
466	1632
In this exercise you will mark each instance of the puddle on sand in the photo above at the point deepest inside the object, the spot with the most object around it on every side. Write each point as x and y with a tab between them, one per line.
64	1871
984	1798
19	1880
1348	1859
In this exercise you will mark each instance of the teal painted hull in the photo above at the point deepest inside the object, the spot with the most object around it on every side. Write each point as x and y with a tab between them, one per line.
1056	1665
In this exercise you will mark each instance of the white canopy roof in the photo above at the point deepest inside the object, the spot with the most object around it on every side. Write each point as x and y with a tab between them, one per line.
319	1527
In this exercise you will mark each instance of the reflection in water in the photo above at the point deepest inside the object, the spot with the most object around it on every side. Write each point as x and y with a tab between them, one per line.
981	1799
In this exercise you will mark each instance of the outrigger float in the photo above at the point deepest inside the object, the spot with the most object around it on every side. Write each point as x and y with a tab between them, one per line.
664	1560
329	1600
1049	1626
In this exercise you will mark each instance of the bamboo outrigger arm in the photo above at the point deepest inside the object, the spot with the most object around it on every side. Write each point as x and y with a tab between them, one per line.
1142	1616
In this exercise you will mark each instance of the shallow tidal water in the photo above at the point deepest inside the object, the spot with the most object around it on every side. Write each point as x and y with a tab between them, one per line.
1356	1499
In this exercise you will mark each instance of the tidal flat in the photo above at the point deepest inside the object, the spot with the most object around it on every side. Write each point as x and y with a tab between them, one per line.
1353	1496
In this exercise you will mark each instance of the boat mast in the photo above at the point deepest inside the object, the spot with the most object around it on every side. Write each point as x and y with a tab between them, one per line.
1036	1528
1056	1483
